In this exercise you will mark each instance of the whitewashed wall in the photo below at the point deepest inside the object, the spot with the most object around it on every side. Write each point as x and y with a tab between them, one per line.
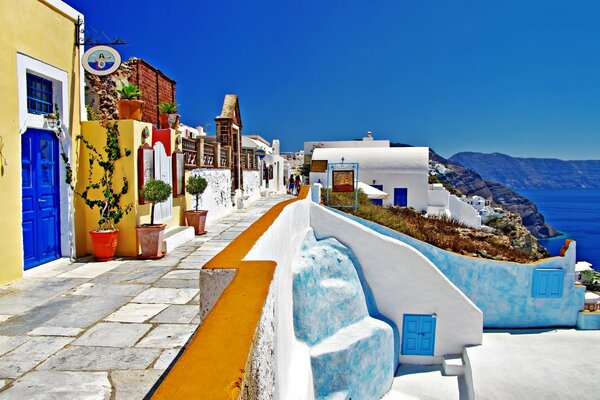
464	212
217	196
251	184
281	243
403	281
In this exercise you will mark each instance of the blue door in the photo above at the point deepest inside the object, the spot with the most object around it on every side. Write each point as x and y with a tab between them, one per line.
39	185
377	202
418	334
401	197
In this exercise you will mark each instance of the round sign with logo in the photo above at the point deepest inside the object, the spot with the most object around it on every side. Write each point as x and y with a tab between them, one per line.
101	60
260	153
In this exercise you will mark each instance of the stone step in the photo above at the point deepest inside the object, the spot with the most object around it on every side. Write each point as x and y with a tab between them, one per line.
176	236
453	365
356	360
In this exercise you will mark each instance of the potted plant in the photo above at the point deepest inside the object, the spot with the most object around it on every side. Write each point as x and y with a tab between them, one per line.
128	106
100	191
150	236
168	115
196	185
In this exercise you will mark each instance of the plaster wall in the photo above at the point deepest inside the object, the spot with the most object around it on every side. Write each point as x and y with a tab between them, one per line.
438	197
130	132
464	212
281	243
217	196
252	184
403	281
502	290
23	27
310	146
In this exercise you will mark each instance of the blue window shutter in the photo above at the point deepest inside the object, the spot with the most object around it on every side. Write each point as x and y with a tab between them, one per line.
547	283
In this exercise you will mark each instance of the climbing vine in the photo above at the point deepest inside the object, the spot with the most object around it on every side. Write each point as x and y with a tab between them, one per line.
100	192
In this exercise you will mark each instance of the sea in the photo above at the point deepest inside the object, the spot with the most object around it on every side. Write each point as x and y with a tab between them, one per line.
575	213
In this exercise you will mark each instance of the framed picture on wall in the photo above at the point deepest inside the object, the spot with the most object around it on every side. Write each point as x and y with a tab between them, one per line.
343	181
178	169
145	168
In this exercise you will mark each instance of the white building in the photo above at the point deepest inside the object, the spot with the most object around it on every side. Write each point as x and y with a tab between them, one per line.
366	142
402	172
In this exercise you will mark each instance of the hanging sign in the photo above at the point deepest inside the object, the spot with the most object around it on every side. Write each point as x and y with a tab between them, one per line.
101	60
343	181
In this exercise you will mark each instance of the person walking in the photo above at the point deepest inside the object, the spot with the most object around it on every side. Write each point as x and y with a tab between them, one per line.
291	185
297	184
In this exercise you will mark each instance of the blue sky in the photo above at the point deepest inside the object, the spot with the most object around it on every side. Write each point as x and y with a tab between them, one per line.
518	77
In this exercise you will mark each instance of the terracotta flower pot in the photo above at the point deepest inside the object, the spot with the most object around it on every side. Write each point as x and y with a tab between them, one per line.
197	219
105	244
169	121
130	109
150	238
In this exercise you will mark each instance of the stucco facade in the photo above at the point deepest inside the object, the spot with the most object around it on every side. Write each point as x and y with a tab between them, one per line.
37	37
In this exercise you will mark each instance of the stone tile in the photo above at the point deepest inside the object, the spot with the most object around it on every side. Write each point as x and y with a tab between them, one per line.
177	314
87	311
5	317
51	269
136	312
182	274
53	385
191	265
195	300
91	270
167	336
166	296
55	331
166	358
133	384
101	289
208	252
177	283
30	354
28	294
112	334
144	275
38	316
84	358
9	343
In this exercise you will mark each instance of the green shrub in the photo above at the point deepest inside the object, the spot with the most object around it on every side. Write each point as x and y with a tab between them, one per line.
155	191
196	185
129	91
168	108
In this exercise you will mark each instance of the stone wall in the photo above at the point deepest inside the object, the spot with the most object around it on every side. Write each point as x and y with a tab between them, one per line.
251	184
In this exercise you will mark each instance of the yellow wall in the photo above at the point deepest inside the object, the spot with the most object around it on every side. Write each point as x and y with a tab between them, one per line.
35	29
130	133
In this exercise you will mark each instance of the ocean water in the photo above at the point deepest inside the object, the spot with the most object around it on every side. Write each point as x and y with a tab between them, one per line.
576	213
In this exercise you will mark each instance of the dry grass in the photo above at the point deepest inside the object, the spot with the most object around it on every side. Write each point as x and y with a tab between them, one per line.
447	234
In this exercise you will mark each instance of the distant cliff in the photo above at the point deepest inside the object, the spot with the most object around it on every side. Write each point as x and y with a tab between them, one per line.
471	183
532	173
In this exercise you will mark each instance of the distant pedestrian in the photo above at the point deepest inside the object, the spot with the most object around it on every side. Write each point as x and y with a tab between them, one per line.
297	184
291	185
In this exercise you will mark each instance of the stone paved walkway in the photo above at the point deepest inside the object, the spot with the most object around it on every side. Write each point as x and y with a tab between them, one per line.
106	330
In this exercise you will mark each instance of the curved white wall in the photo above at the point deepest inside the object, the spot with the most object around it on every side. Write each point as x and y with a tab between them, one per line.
464	212
403	281
281	243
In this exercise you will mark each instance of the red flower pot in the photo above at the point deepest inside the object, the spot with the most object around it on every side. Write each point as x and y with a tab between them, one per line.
105	244
197	219
150	238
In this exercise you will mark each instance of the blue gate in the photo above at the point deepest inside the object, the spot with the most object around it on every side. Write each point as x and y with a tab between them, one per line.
401	197
418	334
40	197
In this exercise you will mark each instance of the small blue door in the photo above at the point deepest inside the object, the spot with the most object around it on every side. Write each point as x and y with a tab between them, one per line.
418	334
377	202
401	197
40	197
